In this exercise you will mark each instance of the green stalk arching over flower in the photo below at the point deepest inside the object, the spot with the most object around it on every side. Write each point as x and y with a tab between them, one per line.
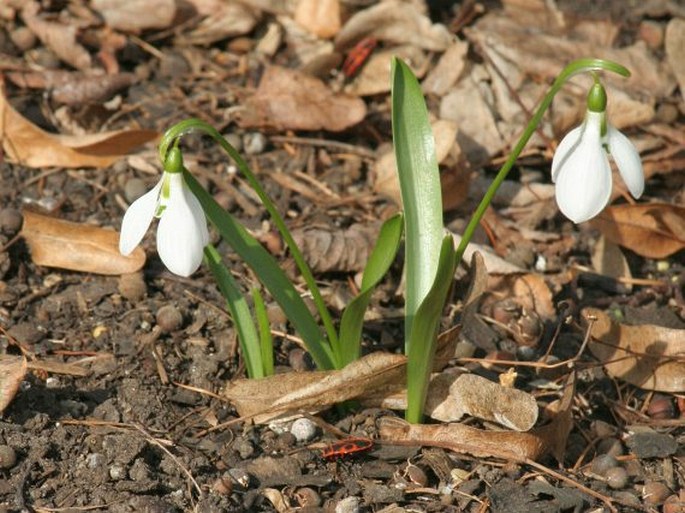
574	68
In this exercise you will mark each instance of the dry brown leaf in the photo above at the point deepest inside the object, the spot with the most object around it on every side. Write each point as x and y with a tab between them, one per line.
550	438
448	69
374	77
345	250
494	263
134	16
270	397
288	99
12	372
60	38
78	247
650	357
74	88
451	397
608	260
396	22
675	50
320	17
25	143
224	20
652	230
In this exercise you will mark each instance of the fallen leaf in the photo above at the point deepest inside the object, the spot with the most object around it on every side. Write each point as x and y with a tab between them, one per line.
78	247
396	22
288	99
448	69
223	20
608	260
134	16
533	445
27	144
675	50
320	17
60	38
650	357
494	263
451	397
12	372
652	230
74	88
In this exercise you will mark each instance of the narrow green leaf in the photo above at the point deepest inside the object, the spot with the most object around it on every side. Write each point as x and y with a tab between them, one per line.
268	271
379	262
266	342
419	178
425	333
240	311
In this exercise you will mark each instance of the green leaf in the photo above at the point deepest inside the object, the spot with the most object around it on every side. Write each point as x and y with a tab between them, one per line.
268	271
265	340
419	178
425	333
240	311
379	262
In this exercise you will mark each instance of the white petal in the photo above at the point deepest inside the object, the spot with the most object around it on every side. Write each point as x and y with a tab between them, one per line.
182	232
628	161
583	186
567	144
137	220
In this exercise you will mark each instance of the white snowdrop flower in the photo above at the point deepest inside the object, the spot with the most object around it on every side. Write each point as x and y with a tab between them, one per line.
580	167
182	232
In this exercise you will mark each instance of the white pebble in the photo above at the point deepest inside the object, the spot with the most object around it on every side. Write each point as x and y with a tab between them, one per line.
303	429
348	505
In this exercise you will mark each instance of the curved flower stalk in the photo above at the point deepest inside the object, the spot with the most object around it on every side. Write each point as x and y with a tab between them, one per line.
182	232
580	167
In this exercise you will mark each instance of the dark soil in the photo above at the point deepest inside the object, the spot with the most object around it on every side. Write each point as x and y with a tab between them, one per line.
140	429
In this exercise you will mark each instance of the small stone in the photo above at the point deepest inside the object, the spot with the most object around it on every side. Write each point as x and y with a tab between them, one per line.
26	333
169	318
10	221
23	38
244	448
348	505
117	472
303	430
661	407
652	445
610	446
655	493
134	189
674	504
8	457
617	478
234	140
298	360
602	463
240	476
254	143
132	286
308	497
223	485
95	460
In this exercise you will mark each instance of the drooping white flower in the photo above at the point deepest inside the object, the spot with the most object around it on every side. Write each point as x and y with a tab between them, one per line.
580	167
182	232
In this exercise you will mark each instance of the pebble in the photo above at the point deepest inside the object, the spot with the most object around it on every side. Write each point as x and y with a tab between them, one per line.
117	472
134	189
169	318
308	497
94	460
132	286
235	141
674	504
652	445
23	38
8	457
254	143
10	221
617	478
303	430
240	476
26	333
661	407
655	493
602	464
223	485
348	505
610	446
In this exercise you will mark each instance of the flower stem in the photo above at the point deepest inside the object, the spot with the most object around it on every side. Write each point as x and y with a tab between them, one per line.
191	125
574	68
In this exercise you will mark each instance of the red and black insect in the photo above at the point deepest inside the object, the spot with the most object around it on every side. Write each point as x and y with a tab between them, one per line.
357	56
347	447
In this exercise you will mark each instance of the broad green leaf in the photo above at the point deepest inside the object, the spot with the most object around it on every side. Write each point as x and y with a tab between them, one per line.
268	271
425	333
379	262
419	178
240	311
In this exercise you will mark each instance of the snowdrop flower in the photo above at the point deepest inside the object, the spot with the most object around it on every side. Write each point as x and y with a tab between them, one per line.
580	167
182	231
